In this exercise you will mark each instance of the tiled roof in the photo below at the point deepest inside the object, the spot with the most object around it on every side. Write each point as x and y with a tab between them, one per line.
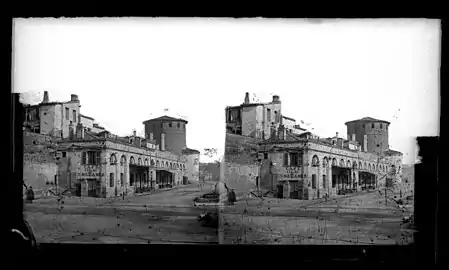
288	118
86	117
368	119
190	151
165	118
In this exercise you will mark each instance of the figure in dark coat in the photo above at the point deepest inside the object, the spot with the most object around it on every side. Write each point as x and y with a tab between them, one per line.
30	195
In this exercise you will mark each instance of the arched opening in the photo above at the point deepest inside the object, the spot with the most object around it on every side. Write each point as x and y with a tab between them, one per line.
139	161
315	161
157	164
146	162
360	165
334	162
132	161
325	162
152	163
354	165
342	163
348	164
113	159
123	160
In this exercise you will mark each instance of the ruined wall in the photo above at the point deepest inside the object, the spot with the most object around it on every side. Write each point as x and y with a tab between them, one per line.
249	121
40	165
48	126
240	163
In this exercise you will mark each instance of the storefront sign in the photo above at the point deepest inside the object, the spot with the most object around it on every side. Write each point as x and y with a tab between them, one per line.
290	173
90	174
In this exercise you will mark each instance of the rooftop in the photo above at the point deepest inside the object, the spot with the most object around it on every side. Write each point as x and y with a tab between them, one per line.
87	117
288	118
190	151
367	119
165	118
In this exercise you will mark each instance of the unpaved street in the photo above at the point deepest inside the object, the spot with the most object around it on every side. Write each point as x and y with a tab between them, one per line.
165	217
359	219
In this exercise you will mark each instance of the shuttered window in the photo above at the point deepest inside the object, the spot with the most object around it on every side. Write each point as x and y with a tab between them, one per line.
285	159
111	180
84	158
313	181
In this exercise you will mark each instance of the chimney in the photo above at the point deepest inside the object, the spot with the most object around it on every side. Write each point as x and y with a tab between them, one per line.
46	99
74	97
163	142
365	143
246	98
276	99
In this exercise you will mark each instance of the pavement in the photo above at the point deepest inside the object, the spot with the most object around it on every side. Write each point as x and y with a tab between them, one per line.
164	217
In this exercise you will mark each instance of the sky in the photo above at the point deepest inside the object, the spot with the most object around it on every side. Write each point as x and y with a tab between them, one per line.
326	72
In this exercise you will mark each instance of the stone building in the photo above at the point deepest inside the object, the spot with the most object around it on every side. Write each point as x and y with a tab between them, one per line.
192	164
90	161
299	164
109	165
170	133
52	118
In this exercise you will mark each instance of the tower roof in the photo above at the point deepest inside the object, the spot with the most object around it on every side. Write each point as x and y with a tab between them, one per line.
367	119
166	118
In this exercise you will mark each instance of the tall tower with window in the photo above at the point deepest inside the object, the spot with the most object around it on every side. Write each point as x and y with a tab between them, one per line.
168	132
372	134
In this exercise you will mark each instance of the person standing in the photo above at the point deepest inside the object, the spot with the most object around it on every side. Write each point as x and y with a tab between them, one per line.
30	195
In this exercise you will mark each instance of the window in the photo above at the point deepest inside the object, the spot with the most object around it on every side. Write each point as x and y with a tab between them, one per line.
286	159
67	113
113	159
324	181
122	179
334	180
314	181
169	124
372	125
294	160
179	125
64	154
381	125
315	161
265	155
74	116
90	158
111	180
363	125
162	125
269	115
276	117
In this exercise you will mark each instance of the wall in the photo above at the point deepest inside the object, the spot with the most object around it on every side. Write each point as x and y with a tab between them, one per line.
72	163
240	166
87	122
47	122
274	107
375	136
249	121
175	138
193	167
39	162
72	105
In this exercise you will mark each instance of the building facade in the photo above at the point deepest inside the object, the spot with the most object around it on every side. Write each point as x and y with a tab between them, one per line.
90	161
192	164
299	164
52	118
109	166
169	132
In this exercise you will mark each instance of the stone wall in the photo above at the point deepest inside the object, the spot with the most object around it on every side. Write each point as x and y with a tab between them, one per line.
40	165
